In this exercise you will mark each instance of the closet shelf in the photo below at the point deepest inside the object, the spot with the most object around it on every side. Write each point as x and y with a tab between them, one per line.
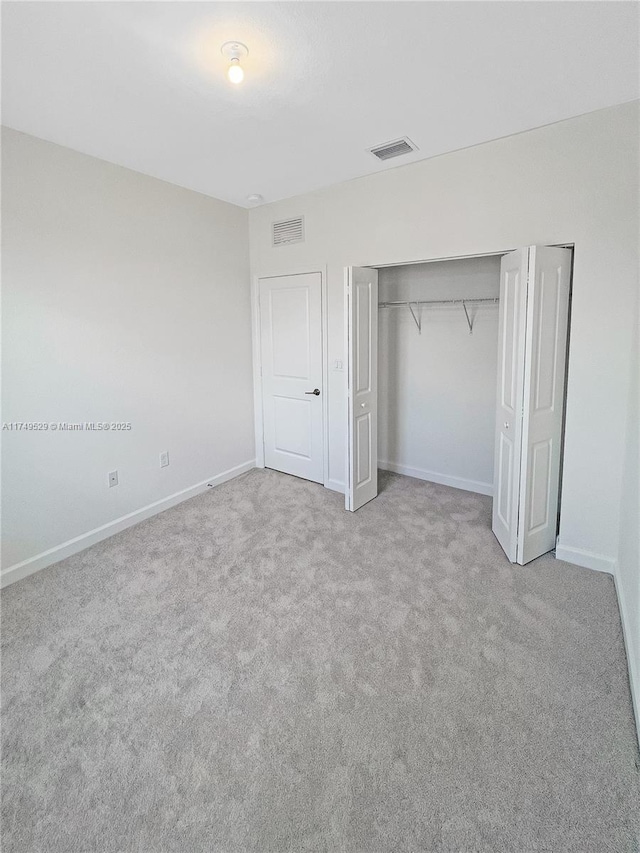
417	303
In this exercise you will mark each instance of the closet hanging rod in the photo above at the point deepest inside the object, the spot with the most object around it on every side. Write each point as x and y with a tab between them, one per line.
437	302
416	303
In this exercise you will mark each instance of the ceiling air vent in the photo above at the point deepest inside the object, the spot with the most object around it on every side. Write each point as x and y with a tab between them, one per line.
288	231
394	149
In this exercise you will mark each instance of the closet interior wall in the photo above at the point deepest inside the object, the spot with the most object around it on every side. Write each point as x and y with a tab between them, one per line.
437	386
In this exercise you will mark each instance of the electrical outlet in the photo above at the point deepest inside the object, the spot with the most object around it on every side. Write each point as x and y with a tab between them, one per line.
164	459
113	478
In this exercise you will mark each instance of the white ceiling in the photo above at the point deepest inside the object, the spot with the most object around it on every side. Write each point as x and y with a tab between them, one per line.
143	84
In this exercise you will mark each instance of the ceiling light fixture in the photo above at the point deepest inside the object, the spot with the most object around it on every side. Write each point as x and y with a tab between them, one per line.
234	52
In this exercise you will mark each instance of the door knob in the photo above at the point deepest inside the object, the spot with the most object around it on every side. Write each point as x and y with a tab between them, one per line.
316	392
506	424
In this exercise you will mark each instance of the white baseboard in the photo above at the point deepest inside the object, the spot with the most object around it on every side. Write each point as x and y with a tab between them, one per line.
633	663
442	479
335	486
586	559
86	540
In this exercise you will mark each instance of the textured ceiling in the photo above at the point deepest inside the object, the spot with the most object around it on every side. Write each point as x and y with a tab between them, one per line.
143	84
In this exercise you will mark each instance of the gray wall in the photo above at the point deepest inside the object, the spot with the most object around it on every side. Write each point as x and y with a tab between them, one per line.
628	570
124	299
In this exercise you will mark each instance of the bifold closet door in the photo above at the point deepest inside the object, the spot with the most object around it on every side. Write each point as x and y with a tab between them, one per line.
361	304
534	309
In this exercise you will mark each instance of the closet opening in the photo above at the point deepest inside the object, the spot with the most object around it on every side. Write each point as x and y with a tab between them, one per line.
437	365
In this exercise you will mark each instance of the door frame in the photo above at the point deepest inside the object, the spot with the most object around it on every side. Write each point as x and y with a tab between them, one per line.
256	342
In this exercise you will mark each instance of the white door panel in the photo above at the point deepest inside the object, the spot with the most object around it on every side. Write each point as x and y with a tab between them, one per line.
362	386
291	343
534	307
293	426
288	311
543	405
511	351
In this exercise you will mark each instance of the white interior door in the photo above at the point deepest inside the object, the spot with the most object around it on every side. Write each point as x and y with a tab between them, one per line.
534	308
508	441
543	408
291	350
362	386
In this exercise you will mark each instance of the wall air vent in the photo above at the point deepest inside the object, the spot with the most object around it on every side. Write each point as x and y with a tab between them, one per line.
288	231
394	149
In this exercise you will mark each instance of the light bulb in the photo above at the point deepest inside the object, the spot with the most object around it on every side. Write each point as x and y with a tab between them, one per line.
235	72
234	51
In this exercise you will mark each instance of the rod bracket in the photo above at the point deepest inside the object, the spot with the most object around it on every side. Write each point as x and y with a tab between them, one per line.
469	320
417	320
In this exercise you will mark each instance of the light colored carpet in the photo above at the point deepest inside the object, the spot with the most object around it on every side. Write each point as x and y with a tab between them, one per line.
257	670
